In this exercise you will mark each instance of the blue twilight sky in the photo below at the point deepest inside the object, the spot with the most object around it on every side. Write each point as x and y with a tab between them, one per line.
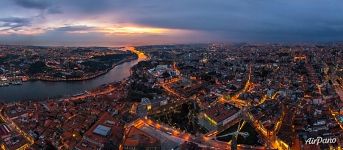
137	22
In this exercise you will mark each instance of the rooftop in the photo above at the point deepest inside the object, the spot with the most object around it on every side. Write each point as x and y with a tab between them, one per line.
220	112
102	130
137	137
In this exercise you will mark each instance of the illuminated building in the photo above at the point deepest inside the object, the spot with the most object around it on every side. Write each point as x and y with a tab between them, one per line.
218	116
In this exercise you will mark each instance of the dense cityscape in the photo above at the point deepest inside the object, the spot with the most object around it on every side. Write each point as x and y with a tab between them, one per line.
171	75
190	96
22	63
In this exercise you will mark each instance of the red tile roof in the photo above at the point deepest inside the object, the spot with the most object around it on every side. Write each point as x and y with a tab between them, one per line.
135	137
220	112
106	120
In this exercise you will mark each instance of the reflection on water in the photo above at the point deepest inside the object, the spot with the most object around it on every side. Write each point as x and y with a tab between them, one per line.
40	90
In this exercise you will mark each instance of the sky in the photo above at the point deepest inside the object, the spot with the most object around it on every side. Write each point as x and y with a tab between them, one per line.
144	22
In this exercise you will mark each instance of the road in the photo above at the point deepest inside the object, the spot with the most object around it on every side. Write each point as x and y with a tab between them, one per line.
269	136
165	86
234	100
165	132
14	126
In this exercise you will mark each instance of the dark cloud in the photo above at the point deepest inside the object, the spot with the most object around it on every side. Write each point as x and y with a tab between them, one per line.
74	28
89	6
246	20
233	20
54	10
14	22
36	4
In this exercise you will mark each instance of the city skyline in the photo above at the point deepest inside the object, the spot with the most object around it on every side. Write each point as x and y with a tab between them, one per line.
118	23
162	97
171	75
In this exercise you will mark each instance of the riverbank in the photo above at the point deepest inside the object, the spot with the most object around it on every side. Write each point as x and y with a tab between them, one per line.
38	90
87	77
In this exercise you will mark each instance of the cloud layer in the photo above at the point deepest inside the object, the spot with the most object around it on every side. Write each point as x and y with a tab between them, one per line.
111	22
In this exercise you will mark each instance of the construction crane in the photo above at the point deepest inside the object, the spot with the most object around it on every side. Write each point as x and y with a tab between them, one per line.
235	135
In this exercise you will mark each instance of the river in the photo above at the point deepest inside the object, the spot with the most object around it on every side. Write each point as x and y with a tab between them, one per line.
41	90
